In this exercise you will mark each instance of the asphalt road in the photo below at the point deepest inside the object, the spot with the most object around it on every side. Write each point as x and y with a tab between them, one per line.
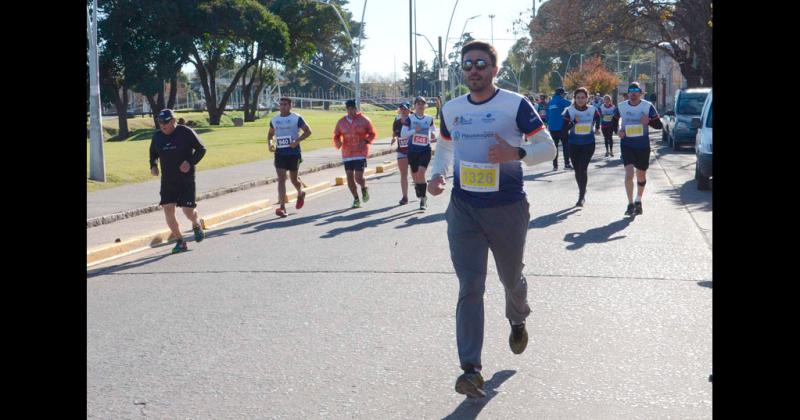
340	313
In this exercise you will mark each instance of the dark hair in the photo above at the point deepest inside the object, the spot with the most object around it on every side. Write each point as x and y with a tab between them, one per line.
580	89
284	98
481	46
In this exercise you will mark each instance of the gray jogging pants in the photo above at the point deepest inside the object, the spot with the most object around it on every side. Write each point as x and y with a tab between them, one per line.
472	231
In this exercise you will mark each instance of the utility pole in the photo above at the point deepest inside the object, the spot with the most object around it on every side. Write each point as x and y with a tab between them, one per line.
533	60
492	19
410	48
441	69
97	163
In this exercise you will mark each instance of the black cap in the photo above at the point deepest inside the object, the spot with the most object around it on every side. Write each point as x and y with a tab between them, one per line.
350	103
634	87
165	115
405	105
420	99
559	91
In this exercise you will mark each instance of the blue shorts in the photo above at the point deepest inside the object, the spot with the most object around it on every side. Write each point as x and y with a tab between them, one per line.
357	165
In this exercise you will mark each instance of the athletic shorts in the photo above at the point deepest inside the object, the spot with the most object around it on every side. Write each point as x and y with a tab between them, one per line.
417	159
180	193
401	155
639	158
357	165
288	162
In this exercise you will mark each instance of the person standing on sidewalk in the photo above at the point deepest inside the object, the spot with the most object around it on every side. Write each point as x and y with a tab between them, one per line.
608	124
354	134
578	121
483	141
423	130
555	108
401	134
636	115
178	150
284	127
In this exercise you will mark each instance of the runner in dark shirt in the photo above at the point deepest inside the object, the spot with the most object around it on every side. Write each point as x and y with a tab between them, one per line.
178	150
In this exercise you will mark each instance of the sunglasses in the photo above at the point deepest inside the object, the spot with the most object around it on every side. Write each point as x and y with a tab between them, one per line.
634	90
479	64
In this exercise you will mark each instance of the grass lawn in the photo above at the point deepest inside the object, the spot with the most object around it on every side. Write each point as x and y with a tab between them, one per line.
127	161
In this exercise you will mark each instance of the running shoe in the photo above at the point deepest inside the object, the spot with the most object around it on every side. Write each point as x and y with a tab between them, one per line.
470	383
638	206
301	200
280	211
180	246
423	203
404	200
365	194
518	339
199	235
630	210
580	202
356	204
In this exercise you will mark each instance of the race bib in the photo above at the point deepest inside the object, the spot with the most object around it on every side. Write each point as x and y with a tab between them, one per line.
608	118
583	128
635	130
420	140
402	142
284	141
480	177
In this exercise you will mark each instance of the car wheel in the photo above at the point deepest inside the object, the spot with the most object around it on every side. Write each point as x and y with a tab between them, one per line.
703	183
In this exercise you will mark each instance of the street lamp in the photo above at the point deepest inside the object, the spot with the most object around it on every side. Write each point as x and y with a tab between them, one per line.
432	49
97	163
356	56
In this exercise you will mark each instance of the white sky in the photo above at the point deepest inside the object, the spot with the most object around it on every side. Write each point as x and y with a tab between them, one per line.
386	27
386	47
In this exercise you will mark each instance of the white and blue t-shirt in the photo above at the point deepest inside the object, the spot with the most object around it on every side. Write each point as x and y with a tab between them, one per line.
636	133
420	141
582	131
472	126
607	115
286	133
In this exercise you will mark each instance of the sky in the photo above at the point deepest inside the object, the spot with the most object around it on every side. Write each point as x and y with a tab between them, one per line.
386	46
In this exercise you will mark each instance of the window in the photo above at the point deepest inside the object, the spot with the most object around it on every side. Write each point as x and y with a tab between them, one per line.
708	117
691	103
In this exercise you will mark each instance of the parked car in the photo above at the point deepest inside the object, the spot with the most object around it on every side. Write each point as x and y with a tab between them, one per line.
703	145
677	121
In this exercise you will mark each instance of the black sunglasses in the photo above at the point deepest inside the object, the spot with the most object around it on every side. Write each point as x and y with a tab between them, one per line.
480	64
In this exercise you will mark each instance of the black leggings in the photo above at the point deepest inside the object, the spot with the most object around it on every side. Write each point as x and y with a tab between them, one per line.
556	135
580	155
607	132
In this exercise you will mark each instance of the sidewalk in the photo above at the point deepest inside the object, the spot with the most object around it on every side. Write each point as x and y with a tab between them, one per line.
112	205
228	206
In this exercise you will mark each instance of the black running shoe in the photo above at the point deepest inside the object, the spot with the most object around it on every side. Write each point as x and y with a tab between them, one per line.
470	383
638	206
580	202
518	339
631	209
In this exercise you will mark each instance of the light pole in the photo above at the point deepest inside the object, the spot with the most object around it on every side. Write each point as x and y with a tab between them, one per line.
356	56
432	49
491	17
97	163
464	28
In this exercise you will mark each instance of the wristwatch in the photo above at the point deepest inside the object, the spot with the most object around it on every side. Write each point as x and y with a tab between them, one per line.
522	153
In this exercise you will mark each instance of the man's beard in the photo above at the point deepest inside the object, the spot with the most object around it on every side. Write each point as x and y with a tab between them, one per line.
479	85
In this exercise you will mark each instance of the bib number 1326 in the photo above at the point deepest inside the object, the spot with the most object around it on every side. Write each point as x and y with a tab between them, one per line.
479	177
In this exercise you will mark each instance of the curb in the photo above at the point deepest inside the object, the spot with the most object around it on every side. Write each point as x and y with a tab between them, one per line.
110	218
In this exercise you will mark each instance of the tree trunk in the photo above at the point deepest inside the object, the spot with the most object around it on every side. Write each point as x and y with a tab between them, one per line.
248	115
154	108
121	103
691	74
173	91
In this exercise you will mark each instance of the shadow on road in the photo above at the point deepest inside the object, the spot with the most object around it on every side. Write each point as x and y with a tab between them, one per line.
128	265
471	407
367	223
705	284
552	218
280	222
535	177
414	221
597	235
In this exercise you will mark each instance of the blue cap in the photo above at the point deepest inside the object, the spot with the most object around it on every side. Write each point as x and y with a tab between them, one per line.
351	103
165	115
405	105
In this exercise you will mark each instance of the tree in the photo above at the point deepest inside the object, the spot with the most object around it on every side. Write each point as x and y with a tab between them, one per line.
425	79
681	29
511	70
593	76
220	34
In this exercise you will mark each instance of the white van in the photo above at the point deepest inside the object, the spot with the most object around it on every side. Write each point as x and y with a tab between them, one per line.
703	146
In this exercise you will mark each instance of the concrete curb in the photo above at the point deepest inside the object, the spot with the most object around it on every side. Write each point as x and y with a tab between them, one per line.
106	219
105	253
